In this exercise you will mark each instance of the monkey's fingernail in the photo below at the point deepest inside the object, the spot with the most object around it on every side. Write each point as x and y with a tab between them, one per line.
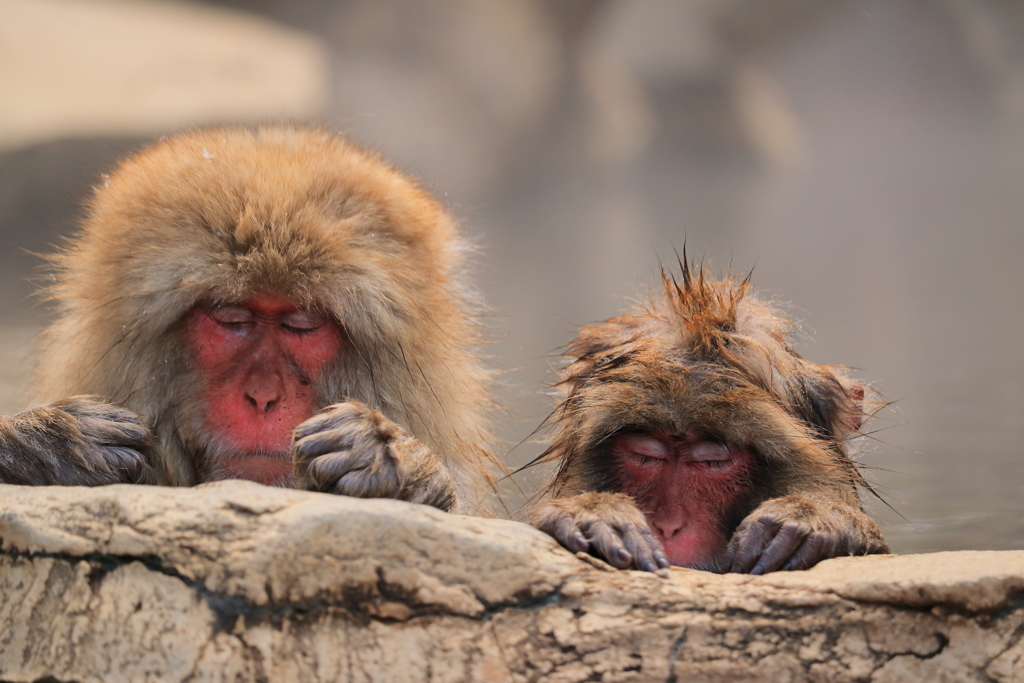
623	556
759	569
663	563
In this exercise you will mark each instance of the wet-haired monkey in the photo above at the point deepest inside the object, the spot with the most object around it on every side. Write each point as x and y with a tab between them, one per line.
692	434
272	304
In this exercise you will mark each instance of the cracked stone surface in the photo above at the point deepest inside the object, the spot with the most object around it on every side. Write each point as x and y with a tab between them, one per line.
238	582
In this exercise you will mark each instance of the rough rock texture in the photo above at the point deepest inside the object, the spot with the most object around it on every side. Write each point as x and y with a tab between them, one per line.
238	582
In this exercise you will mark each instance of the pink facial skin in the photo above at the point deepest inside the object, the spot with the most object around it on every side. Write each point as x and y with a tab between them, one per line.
684	486
259	359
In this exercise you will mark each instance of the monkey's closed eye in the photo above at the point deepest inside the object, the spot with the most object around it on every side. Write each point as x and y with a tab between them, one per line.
232	316
642	447
712	455
303	321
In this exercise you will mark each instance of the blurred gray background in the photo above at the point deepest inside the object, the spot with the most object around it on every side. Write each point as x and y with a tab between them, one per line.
865	157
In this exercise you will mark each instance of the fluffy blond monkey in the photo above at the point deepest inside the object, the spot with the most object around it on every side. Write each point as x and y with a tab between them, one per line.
274	305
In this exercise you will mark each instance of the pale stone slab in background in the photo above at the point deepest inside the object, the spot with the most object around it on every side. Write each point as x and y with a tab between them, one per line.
117	67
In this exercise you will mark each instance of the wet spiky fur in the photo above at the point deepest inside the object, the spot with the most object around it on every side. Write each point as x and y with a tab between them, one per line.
224	213
705	355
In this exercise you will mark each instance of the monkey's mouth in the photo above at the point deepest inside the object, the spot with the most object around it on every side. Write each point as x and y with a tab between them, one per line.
270	469
698	547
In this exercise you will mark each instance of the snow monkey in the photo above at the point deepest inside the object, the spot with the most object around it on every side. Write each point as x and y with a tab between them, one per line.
692	434
274	305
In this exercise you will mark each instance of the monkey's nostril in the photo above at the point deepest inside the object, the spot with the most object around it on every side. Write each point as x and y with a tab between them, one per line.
259	403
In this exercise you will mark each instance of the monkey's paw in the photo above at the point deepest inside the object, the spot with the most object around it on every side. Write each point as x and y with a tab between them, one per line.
352	450
606	525
79	441
798	531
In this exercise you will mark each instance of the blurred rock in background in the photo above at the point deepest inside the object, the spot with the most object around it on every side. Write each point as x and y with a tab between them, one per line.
866	155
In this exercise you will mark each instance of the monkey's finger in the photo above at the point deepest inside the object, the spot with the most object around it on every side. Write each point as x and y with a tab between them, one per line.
110	464
562	527
121	416
130	466
435	493
321	443
322	473
815	548
368	483
88	408
780	549
729	555
749	542
644	548
846	544
332	417
344	477
660	558
107	433
608	545
98	423
425	480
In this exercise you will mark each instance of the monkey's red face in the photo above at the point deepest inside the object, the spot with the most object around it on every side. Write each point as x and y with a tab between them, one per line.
260	360
686	488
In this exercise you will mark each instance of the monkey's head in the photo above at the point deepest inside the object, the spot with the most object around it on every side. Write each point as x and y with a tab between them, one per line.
697	406
228	283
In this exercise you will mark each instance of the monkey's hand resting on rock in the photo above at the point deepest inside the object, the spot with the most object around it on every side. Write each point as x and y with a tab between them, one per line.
792	532
352	450
606	525
79	441
798	531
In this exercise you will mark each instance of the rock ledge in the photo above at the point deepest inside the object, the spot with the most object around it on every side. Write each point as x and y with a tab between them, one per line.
238	582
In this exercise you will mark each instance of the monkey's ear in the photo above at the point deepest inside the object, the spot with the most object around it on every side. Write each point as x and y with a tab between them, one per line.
855	417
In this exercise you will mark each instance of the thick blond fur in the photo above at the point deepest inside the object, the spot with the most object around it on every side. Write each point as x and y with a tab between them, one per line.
221	214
